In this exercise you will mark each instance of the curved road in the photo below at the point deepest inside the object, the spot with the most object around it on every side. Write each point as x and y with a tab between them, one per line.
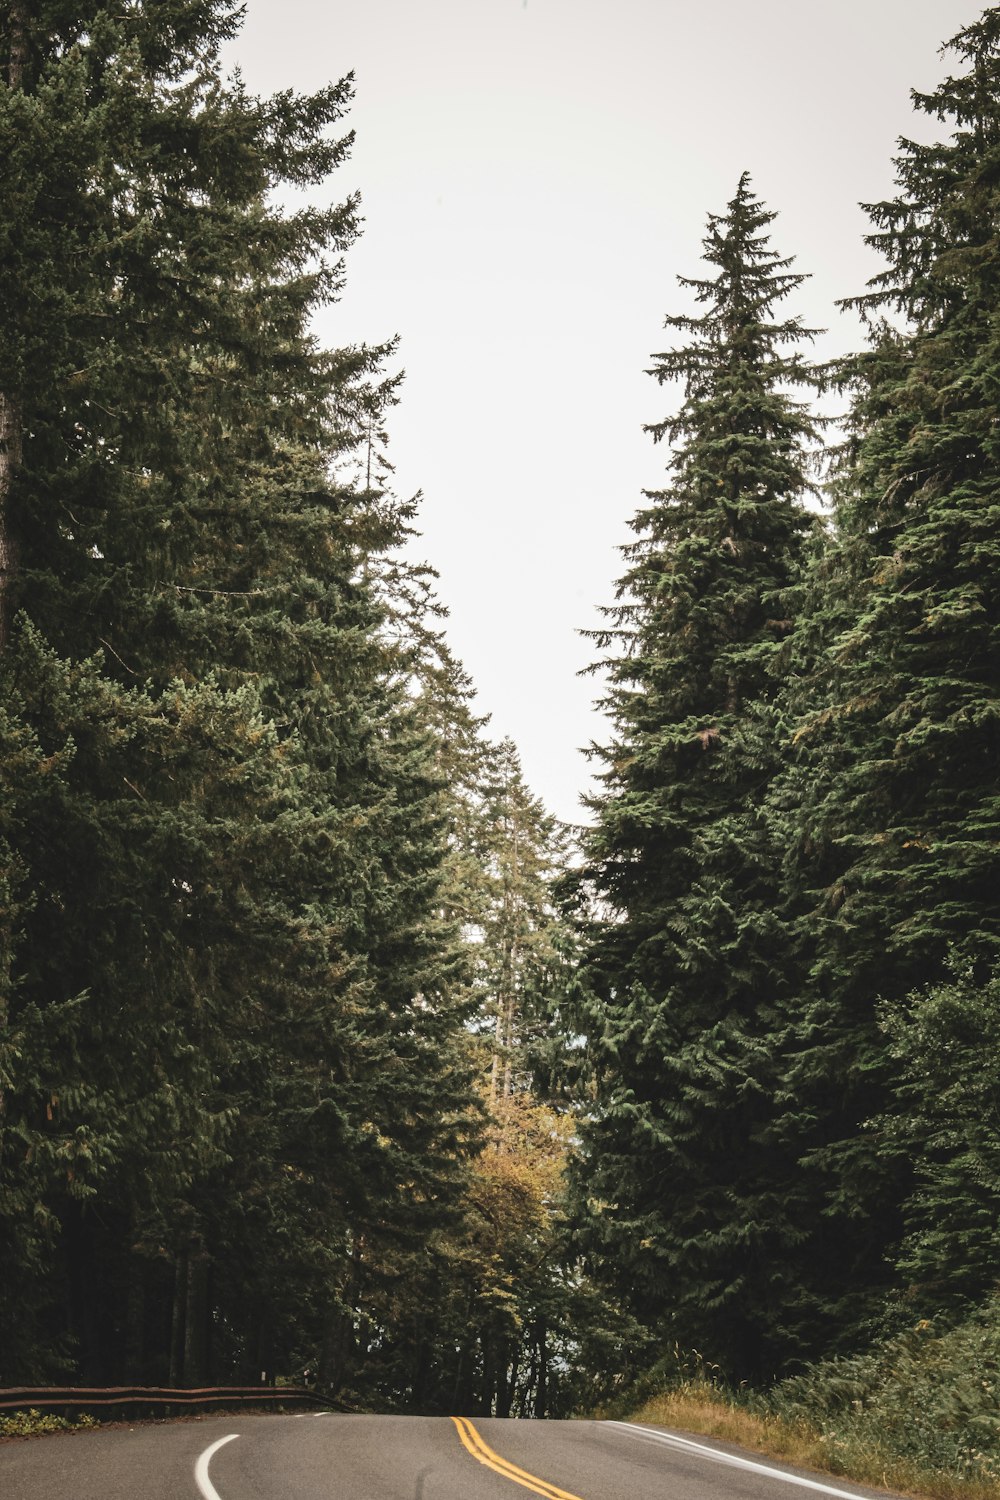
332	1457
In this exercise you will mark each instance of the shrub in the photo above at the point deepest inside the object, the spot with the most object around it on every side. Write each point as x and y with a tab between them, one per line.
32	1423
926	1396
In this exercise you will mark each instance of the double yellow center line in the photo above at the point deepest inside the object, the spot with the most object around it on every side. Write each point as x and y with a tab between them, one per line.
474	1444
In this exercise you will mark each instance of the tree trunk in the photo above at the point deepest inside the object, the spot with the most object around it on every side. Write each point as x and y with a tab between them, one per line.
506	1377
421	1365
337	1350
264	1362
488	1386
135	1321
460	1396
541	1399
528	1394
458	1402
176	1374
18	59
87	1290
196	1317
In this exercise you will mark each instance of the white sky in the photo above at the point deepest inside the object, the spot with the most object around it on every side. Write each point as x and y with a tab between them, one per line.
534	174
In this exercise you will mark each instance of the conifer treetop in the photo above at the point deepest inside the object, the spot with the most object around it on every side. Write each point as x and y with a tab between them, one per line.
935	231
738	328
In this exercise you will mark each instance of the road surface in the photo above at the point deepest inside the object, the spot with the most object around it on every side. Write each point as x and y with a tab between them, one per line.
326	1456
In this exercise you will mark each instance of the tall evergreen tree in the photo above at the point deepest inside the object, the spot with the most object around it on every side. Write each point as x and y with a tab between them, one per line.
894	848
689	1199
248	1055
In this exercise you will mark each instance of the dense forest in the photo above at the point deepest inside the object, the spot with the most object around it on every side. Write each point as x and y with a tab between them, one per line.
322	1045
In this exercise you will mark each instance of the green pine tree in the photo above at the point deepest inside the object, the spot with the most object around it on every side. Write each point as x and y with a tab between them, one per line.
230	902
892	815
690	1201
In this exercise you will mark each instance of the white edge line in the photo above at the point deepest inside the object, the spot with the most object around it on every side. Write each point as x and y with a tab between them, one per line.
686	1445
201	1479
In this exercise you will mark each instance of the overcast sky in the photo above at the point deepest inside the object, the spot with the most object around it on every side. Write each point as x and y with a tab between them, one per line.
534	175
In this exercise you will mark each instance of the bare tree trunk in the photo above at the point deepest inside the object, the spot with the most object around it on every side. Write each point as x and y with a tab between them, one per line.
421	1364
528	1392
135	1320
499	1042
501	1073
501	1077
508	1075
177	1319
194	1298
542	1398
264	1363
337	1359
18	60
508	1381
456	1394
196	1317
339	1352
460	1396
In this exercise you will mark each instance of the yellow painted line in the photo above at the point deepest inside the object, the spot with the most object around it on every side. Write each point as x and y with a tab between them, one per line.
474	1444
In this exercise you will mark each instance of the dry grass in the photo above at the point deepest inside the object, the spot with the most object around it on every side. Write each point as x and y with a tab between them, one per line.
703	1409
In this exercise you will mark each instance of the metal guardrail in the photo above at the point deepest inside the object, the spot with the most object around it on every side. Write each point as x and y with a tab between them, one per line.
93	1398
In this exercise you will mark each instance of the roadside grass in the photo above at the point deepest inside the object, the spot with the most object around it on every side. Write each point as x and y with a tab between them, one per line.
706	1410
917	1413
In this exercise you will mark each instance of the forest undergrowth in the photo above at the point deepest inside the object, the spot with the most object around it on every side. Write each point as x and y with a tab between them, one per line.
916	1413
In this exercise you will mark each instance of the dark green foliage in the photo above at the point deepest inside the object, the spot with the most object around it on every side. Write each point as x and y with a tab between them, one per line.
891	818
521	849
945	1120
927	1395
915	808
480	1315
233	1052
281	974
688	1191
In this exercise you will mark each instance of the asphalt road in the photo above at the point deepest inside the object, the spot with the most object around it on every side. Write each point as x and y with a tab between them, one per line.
333	1457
